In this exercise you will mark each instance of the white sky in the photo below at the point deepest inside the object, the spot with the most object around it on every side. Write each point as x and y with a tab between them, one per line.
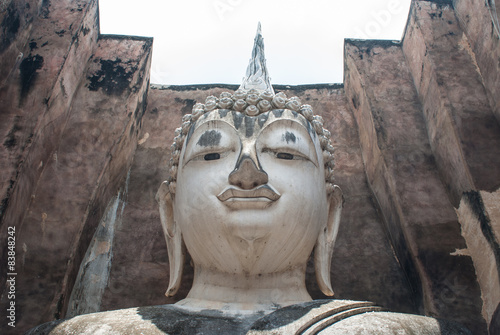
210	41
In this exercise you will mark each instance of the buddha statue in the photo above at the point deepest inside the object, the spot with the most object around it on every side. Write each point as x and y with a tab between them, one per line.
250	196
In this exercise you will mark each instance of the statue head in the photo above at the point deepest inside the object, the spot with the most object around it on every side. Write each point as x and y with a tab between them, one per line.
251	188
250	195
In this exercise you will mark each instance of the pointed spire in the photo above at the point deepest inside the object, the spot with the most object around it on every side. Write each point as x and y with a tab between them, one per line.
257	76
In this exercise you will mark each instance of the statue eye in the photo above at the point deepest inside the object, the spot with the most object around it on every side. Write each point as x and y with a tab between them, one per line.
211	157
284	155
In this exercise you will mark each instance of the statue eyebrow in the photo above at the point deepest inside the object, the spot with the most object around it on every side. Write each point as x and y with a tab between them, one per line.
209	138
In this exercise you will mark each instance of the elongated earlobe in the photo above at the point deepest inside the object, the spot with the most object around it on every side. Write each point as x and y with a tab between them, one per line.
173	237
326	240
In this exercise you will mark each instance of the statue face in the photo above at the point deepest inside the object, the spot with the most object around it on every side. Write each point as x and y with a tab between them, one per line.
251	191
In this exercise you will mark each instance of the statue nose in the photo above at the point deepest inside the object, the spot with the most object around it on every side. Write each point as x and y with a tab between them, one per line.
247	175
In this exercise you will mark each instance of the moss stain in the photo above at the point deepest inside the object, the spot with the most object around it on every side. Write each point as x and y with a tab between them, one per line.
9	27
113	78
29	67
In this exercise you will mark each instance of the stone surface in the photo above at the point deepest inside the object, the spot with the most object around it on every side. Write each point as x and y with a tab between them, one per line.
404	179
462	127
236	180
77	157
395	247
483	42
316	317
361	249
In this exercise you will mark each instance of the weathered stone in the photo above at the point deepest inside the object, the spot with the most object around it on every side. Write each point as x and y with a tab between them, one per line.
78	158
482	43
416	138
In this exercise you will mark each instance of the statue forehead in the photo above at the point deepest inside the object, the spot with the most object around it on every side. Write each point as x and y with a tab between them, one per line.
250	126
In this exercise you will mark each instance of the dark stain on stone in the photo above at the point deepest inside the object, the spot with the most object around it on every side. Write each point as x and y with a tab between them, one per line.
262	118
59	307
60	33
367	46
9	27
148	41
142	106
173	320
278	112
203	117
154	111
44	9
237	119
113	77
210	138
311	130
63	89
75	40
28	68
435	15
355	101
190	133
3	207
380	129
289	137
11	141
85	31
249	126
44	44
33	46
188	105
223	113
286	315
442	2
477	207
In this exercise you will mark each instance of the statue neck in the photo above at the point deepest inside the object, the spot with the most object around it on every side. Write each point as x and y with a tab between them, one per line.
242	292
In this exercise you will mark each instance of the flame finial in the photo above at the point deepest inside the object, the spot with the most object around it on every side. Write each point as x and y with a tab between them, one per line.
257	76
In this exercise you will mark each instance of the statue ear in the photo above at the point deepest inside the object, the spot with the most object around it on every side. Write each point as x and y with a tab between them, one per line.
326	239
173	237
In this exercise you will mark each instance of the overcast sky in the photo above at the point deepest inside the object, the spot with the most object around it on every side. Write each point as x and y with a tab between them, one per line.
210	41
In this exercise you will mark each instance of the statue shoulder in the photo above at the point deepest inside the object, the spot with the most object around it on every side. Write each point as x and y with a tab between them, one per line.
331	317
394	323
110	322
152	320
314	317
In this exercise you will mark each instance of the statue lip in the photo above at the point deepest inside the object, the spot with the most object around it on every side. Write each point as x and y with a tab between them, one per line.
259	196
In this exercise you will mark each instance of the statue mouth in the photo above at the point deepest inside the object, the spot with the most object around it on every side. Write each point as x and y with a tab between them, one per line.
256	198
